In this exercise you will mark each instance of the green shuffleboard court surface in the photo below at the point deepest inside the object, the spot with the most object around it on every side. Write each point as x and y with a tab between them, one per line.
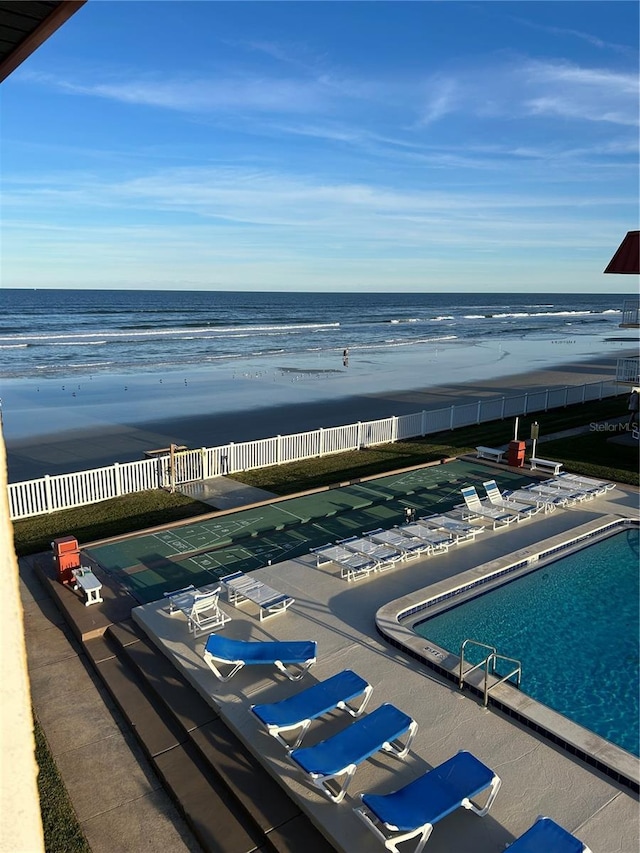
202	552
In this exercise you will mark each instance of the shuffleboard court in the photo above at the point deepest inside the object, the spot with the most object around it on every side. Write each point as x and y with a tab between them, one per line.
201	552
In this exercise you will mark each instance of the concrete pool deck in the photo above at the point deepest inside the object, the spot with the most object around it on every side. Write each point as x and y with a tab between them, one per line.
537	776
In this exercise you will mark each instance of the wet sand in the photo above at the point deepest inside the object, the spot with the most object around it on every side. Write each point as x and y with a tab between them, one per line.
101	444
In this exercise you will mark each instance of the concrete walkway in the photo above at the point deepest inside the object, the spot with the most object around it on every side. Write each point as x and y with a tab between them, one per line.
225	493
120	803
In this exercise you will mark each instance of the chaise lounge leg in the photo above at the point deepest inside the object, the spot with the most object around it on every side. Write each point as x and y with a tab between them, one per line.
294	674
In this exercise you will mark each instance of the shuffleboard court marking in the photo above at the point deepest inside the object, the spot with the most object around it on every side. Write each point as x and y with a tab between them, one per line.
216	546
323	529
371	490
292	514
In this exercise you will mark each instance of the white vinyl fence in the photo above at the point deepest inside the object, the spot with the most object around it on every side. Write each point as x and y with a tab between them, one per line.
63	491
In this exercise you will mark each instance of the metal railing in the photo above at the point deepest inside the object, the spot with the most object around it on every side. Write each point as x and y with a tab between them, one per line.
63	491
628	370
630	314
489	663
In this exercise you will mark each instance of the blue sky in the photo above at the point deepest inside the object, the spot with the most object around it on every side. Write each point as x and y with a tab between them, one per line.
359	146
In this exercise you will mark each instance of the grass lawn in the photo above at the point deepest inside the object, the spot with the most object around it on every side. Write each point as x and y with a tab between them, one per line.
108	518
613	461
594	456
62	832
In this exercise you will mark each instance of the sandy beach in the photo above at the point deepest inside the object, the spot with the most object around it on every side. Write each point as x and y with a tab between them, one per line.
259	412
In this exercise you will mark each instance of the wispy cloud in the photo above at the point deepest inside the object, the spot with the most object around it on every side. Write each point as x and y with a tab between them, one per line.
227	94
592	94
515	87
589	38
441	98
262	198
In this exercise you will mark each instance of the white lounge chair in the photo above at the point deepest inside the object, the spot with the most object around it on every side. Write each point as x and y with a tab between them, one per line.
563	497
409	546
548	502
582	492
385	556
440	541
352	564
600	486
455	526
475	507
242	588
498	499
201	608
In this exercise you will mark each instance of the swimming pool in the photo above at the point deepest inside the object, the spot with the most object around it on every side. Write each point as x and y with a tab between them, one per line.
574	625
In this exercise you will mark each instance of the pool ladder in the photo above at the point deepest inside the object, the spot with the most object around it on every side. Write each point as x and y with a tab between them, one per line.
489	663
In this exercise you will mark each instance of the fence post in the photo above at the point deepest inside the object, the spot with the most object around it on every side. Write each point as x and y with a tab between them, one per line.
423	423
584	392
359	444
504	400
601	385
546	399
47	493
278	449
321	441
394	428
116	478
451	417
230	460
526	401
479	414
566	395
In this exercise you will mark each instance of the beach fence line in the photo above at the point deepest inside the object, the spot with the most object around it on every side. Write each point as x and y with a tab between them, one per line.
64	491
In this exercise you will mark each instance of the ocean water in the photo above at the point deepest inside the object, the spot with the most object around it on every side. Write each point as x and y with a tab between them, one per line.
94	360
66	333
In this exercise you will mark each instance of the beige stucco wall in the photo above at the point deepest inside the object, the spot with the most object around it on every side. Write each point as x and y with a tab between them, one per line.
20	823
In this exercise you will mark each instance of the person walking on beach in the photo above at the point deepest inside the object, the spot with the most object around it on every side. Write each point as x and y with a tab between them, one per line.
634	404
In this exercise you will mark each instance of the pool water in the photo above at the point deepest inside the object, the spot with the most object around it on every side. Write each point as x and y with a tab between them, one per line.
574	625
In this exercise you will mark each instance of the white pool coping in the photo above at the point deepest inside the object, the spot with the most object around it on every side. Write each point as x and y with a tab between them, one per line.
396	619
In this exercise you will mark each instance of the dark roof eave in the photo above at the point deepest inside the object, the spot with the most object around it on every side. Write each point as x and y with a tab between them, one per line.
626	260
32	41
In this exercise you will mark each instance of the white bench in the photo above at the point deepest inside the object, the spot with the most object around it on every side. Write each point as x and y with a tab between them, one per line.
545	464
85	580
490	453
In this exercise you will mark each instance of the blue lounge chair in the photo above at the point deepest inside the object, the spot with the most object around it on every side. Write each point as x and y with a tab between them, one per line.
415	809
341	754
298	712
238	653
547	835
